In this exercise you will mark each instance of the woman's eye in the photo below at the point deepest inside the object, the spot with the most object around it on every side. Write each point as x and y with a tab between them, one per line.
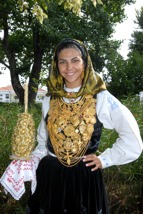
61	62
75	60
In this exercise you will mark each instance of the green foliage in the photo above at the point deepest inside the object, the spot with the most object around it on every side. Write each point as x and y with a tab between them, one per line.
139	15
28	46
41	7
125	77
136	44
123	183
135	72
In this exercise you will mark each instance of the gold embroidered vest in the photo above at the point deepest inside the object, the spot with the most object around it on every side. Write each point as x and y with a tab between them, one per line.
70	127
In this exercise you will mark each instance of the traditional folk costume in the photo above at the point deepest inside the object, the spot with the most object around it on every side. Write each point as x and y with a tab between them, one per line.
70	128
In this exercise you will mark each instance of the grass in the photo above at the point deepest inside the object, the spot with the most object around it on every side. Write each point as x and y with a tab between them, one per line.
123	183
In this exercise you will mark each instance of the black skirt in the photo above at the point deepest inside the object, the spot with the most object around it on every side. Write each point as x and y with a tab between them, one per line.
67	190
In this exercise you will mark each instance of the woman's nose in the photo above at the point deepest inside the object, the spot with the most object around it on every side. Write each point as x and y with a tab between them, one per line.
69	65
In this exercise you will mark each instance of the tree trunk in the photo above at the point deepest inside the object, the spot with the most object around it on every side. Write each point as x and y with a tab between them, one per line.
12	64
36	68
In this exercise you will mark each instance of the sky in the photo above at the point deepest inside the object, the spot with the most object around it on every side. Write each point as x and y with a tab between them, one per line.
123	32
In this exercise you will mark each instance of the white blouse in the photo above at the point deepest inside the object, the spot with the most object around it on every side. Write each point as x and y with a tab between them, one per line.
113	115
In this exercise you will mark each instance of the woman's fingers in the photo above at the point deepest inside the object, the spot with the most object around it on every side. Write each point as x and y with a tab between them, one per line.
93	161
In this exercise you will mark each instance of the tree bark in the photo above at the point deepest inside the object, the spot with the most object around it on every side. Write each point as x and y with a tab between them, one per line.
12	63
37	64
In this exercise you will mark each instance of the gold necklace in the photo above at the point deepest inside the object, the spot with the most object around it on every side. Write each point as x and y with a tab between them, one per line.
72	100
70	127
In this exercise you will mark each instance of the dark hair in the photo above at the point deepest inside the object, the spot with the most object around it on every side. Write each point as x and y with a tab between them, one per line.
71	43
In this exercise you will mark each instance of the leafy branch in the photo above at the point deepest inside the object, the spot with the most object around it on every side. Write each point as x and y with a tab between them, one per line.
39	8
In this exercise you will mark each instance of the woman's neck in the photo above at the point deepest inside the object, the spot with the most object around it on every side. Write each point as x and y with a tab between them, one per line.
75	89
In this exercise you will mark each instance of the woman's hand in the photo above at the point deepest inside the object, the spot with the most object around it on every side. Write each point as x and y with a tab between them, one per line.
92	160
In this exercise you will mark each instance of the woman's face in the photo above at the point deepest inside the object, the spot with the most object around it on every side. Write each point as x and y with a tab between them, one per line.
71	66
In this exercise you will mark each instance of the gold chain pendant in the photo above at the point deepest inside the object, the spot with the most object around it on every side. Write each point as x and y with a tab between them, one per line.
70	127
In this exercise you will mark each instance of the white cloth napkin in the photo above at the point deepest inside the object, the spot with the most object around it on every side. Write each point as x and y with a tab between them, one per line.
18	172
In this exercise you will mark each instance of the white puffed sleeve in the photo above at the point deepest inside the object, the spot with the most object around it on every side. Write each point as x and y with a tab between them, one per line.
42	134
114	115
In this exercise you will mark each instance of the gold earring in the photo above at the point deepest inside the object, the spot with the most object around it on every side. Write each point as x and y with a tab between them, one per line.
82	75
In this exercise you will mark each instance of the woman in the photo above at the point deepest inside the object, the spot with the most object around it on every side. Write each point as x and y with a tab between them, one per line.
69	176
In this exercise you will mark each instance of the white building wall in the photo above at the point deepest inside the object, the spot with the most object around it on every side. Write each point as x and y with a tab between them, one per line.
5	96
10	96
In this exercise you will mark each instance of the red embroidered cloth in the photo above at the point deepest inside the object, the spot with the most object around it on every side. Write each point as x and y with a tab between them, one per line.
18	172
